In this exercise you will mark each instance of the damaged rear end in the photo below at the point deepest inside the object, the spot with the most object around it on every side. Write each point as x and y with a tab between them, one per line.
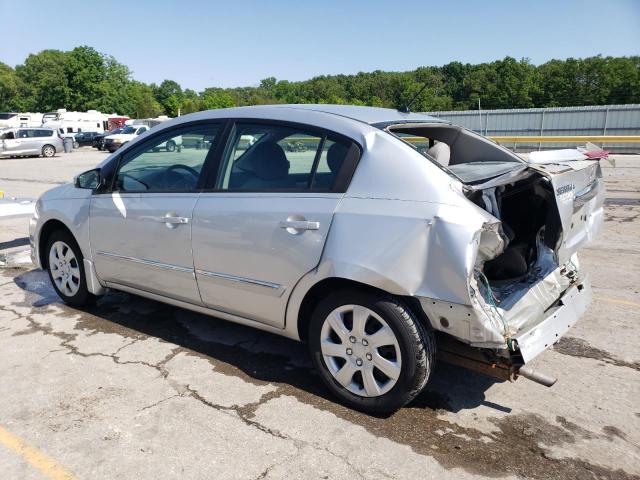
524	285
526	288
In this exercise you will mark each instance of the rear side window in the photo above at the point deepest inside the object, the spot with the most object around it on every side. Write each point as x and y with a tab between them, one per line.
44	133
277	158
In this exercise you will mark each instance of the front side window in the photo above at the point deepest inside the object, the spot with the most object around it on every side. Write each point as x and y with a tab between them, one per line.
169	162
275	158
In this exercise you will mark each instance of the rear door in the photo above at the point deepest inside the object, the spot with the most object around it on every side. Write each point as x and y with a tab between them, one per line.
140	230
265	223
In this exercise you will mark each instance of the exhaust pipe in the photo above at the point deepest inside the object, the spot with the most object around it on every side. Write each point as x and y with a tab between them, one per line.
538	377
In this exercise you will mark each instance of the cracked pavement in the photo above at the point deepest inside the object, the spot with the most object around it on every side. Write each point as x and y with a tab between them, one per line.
133	388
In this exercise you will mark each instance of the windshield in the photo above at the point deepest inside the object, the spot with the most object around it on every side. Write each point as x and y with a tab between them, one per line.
128	130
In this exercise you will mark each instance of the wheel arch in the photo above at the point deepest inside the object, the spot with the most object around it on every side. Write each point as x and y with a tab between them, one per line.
55	150
47	229
331	284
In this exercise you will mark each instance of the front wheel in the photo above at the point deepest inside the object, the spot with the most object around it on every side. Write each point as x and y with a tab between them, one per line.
66	269
370	350
171	146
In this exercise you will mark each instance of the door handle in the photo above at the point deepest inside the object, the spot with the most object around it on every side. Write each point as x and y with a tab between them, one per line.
300	225
172	221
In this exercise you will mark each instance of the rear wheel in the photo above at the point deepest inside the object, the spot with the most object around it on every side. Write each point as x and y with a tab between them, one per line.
48	151
370	350
66	268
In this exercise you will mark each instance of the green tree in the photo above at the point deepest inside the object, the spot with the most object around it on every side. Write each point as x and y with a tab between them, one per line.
169	95
142	102
191	102
85	71
114	88
43	82
8	88
84	78
213	98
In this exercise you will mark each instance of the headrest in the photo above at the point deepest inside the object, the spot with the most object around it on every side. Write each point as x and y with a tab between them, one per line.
335	156
269	161
441	152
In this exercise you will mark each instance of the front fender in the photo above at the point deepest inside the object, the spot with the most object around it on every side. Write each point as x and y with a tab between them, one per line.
69	206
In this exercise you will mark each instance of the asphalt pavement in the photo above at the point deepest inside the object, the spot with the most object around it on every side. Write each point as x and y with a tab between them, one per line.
132	388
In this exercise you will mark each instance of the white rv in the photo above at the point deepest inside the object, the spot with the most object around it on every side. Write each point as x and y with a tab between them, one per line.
18	120
70	123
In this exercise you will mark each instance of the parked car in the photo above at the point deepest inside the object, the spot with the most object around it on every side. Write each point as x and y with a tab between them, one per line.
84	139
128	133
25	142
98	140
380	257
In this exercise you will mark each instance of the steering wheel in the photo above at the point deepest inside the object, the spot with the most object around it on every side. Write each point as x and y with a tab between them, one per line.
171	172
181	166
122	176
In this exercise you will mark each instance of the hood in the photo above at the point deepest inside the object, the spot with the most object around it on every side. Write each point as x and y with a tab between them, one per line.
120	136
64	191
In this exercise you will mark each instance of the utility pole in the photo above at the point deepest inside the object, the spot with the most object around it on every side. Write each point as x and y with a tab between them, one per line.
480	115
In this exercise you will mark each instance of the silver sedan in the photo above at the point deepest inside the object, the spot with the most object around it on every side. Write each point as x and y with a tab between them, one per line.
385	240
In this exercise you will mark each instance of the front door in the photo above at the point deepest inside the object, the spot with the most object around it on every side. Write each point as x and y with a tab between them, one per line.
266	223
141	229
19	143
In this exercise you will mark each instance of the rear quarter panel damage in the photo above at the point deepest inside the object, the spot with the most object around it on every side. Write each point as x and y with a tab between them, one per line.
405	227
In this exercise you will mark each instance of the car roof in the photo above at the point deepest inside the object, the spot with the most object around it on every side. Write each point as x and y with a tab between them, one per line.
369	115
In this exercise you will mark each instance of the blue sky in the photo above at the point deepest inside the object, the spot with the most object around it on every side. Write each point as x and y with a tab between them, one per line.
236	43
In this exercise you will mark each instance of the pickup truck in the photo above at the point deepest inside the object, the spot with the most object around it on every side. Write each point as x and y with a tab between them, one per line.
114	142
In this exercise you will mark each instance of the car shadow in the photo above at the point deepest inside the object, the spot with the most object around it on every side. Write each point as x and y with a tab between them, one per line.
256	355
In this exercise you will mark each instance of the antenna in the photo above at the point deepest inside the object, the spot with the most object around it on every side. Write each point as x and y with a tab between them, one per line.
407	109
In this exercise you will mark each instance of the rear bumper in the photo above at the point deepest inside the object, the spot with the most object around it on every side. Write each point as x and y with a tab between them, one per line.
533	340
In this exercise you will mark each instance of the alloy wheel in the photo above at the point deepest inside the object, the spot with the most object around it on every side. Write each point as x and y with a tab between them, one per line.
64	268
360	350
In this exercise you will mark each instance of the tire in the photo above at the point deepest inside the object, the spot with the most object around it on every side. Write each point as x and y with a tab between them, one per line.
48	151
408	348
66	269
170	146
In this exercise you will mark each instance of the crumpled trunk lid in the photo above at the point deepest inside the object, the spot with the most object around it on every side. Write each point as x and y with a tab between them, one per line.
580	193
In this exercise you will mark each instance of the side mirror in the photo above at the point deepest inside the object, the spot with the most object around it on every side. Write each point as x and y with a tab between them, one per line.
90	179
